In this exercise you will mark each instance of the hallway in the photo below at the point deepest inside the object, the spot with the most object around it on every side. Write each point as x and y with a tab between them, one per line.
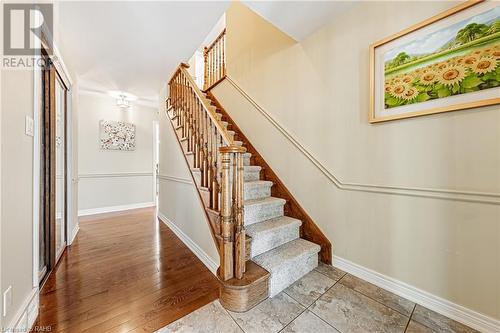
125	272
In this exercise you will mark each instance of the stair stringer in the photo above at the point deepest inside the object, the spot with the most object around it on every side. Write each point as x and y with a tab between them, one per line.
308	230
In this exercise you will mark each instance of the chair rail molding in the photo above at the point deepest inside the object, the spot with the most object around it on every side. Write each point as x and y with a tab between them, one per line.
175	179
433	193
115	175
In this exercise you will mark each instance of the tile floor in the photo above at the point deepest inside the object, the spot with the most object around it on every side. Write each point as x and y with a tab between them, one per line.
325	300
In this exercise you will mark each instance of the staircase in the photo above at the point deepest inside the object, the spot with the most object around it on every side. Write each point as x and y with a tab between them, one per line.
261	248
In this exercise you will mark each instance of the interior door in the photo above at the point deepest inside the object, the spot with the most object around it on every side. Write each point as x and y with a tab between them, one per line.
53	172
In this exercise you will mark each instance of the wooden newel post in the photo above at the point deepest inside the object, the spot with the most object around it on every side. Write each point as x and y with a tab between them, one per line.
226	253
232	211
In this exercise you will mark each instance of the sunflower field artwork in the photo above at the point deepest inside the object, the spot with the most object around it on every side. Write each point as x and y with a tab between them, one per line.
458	63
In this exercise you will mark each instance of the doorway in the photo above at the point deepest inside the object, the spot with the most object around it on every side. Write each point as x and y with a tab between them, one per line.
53	170
156	165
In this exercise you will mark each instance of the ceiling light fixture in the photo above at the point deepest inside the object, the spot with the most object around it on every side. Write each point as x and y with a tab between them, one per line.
123	99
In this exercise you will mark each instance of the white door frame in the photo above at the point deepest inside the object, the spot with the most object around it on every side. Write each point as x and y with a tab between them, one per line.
156	136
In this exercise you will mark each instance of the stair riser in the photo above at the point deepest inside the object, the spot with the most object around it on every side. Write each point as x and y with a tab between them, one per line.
184	145
267	241
260	191
246	160
190	159
287	274
197	177
258	213
205	196
251	176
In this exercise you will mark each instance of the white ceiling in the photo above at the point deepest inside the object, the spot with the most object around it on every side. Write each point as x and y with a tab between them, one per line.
299	19
130	45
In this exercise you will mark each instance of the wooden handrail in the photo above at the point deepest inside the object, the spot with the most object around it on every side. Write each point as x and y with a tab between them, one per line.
206	104
220	162
222	33
215	61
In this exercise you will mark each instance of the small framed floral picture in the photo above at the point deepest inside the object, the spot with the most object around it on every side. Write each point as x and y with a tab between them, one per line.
117	135
446	63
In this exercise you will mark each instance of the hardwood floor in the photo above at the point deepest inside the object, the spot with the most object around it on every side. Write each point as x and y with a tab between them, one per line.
125	272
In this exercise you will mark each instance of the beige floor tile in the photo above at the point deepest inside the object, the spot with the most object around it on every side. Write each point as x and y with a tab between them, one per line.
385	297
270	315
330	271
438	322
208	319
350	311
309	288
414	327
307	322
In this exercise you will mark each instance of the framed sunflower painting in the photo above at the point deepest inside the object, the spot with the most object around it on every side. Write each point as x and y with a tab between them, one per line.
446	63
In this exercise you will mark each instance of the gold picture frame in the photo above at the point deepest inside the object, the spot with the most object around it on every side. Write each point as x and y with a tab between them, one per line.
375	118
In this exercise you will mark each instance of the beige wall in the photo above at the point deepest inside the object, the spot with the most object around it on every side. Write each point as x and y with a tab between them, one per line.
109	178
178	200
318	91
17	187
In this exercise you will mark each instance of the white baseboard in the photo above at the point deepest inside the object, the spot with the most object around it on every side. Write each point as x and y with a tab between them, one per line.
74	232
26	315
198	251
110	209
454	311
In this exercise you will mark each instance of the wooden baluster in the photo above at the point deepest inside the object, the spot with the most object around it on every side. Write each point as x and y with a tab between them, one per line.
240	235
217	51
197	134
210	128
213	67
184	123
226	253
188	118
204	180
191	123
181	107
224	54
202	145
219	63
179	102
179	93
201	137
205	68
213	170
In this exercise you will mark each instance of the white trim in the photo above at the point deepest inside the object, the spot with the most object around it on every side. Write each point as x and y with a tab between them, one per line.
37	94
115	174
176	179
156	157
110	209
69	165
435	193
74	232
26	315
449	309
198	251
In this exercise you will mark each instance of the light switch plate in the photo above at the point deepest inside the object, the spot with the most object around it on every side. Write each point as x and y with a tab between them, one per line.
29	126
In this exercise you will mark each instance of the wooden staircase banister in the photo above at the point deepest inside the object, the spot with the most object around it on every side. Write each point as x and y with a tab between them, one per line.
220	163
